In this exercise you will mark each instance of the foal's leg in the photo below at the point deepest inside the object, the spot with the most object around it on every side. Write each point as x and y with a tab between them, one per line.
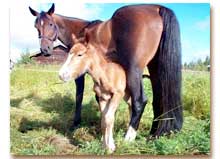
108	117
79	97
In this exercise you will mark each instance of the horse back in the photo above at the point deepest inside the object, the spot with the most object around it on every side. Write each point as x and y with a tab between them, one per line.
137	8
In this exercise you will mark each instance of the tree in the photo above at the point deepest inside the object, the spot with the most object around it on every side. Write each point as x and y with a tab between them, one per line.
198	65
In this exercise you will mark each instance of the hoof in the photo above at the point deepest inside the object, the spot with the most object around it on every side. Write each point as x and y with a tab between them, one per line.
111	148
131	134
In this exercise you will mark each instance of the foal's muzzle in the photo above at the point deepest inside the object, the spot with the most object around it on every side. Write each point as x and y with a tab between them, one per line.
64	75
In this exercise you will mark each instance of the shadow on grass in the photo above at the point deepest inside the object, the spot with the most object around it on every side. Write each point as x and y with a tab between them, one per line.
16	101
64	108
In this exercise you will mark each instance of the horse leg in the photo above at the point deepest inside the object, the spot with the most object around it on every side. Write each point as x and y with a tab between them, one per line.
79	97
107	121
138	100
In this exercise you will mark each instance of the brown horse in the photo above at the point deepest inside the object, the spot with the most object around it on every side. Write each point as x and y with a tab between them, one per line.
109	82
136	36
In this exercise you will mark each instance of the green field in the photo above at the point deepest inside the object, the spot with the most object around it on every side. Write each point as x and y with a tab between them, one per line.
42	110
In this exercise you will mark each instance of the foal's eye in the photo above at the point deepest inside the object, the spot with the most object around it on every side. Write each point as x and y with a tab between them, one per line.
80	54
51	24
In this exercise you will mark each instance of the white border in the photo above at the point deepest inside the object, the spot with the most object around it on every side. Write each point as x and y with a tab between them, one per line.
4	82
215	59
120	1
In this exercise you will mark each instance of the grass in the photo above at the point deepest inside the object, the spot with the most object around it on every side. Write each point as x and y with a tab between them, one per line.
42	112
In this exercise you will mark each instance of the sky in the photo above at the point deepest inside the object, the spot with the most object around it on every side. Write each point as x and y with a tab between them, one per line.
194	20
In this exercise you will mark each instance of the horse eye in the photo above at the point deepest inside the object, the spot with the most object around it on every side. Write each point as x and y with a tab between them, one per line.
51	24
80	54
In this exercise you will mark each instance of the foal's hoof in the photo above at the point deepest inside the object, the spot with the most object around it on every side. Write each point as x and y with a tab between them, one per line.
111	148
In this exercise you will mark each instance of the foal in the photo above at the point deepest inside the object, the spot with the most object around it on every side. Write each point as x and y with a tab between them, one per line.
109	83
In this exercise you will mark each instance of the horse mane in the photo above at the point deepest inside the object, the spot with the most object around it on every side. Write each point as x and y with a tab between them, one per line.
70	18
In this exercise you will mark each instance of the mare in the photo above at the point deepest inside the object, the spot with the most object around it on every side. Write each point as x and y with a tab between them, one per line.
141	36
109	82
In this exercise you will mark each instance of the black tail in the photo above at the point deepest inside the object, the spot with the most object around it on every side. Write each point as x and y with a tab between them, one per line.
165	74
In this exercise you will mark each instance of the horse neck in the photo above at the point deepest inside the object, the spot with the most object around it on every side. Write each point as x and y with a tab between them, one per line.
97	69
68	26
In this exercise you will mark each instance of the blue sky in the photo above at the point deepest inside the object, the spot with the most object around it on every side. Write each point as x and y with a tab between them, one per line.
194	20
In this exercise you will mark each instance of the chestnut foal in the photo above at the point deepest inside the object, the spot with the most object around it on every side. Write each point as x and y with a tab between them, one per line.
109	83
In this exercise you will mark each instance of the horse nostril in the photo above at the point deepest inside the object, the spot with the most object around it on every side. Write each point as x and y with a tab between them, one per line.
44	50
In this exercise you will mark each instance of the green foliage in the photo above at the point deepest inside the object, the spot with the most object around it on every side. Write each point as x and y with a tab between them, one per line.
31	143
25	58
196	94
198	65
42	112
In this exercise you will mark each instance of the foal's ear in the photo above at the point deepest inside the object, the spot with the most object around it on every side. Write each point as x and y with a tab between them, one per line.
33	12
51	10
75	40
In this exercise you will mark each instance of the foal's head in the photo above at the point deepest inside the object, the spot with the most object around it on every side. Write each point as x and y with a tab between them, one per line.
47	29
78	61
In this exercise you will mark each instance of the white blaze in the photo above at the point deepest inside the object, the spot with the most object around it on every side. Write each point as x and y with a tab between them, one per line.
64	72
41	22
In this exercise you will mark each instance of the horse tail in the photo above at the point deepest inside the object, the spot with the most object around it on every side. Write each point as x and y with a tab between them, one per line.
165	74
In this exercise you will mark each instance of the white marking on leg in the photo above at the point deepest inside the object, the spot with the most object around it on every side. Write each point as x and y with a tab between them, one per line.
111	144
131	134
109	141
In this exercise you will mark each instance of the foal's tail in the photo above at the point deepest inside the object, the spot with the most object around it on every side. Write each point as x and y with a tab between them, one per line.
165	75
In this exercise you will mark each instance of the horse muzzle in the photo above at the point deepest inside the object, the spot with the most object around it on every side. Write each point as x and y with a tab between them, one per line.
46	52
64	76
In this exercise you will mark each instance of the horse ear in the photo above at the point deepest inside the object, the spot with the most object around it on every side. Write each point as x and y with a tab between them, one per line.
51	10
33	12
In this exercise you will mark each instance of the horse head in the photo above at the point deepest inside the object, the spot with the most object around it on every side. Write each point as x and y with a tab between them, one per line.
47	29
78	60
